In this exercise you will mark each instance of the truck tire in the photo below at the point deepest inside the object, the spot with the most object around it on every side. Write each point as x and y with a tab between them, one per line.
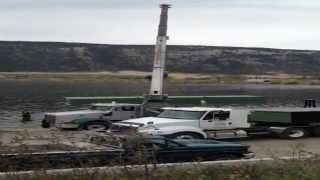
295	133
316	131
96	125
186	135
45	124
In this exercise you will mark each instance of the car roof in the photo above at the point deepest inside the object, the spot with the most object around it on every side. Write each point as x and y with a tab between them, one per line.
196	109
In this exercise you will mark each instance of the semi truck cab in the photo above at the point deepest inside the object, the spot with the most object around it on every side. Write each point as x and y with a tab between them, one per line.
186	122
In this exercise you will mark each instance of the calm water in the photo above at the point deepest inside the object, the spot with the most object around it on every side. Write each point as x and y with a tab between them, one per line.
38	97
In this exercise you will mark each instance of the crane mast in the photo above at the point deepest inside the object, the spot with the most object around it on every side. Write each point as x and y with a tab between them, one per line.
156	89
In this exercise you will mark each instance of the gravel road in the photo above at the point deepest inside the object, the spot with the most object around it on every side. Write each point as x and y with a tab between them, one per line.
282	147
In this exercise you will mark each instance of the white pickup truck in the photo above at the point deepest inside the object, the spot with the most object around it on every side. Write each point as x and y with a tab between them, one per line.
188	122
98	116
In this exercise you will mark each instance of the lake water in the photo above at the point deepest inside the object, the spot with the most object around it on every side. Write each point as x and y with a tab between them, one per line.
38	97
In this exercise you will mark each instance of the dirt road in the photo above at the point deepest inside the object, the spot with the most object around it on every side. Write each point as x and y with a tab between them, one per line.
281	147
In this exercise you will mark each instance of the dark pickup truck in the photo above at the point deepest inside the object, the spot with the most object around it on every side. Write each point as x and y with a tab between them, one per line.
129	150
165	150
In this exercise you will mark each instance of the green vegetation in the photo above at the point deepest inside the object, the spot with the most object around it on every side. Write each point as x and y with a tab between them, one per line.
73	57
277	170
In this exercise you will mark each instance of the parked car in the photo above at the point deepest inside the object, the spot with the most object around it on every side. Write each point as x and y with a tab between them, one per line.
160	149
165	150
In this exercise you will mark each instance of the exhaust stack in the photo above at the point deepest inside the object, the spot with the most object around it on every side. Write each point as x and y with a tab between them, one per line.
156	88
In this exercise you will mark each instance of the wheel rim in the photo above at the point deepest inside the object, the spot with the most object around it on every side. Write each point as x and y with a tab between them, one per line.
96	127
296	133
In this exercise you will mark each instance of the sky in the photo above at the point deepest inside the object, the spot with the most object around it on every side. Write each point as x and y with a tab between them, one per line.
286	24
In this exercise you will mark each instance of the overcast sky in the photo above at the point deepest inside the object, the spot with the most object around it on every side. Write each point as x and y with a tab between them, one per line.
290	24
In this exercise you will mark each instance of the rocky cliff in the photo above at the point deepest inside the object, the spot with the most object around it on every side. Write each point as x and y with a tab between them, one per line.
58	57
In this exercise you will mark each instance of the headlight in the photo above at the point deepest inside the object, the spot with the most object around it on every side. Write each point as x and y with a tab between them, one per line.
149	127
150	131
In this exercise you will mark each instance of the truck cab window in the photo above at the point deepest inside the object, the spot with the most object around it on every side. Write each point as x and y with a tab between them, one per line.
127	108
222	115
209	116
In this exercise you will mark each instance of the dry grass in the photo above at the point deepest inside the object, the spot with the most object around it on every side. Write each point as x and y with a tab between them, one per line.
277	170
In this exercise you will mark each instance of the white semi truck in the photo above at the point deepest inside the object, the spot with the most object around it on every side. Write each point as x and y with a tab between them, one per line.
188	122
222	123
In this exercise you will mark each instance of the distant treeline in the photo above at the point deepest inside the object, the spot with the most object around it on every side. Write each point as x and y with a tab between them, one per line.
66	57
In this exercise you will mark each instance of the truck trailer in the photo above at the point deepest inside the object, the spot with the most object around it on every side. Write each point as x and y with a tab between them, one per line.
286	122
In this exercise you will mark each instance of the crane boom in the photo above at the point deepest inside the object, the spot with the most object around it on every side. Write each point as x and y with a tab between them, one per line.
156	88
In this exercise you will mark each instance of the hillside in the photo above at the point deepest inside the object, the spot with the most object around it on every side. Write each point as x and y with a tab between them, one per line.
68	57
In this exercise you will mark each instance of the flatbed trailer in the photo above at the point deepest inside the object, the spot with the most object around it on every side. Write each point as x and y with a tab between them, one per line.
290	123
173	100
285	122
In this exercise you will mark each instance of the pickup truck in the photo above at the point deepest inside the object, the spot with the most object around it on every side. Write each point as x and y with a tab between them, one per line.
126	151
224	123
98	116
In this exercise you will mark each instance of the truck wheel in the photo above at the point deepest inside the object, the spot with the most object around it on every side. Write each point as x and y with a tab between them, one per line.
316	131
45	124
295	133
186	135
96	126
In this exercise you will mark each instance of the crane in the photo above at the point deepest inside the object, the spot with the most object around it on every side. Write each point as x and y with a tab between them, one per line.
156	93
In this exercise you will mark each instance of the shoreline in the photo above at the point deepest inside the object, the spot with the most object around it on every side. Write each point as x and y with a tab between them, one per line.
174	78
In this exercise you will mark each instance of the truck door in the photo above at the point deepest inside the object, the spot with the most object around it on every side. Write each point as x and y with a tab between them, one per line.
216	120
123	113
206	122
221	120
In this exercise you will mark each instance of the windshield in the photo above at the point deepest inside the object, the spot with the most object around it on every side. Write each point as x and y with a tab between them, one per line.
101	108
178	114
